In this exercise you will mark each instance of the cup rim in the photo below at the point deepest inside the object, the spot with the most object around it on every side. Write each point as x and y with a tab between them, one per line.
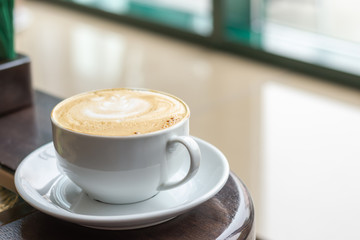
154	133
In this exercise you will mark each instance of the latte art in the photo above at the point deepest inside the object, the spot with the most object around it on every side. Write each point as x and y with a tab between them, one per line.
119	112
115	107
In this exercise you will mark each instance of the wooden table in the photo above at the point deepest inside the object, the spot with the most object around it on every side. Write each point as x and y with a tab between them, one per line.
228	215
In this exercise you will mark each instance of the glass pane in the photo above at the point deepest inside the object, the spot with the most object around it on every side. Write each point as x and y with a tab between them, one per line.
319	32
333	18
192	16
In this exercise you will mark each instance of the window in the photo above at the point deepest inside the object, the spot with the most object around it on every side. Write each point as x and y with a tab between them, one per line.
317	36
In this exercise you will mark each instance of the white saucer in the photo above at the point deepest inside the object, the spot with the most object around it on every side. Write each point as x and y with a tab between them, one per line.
40	183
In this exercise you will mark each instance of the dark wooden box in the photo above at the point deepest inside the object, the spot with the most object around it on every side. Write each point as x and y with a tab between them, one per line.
15	84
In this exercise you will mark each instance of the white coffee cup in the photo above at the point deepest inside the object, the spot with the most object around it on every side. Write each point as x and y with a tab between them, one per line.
127	169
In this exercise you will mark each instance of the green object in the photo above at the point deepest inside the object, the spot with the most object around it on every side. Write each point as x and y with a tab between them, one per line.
7	51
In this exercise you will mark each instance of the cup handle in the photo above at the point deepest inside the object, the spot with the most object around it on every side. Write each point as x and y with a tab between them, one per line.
195	156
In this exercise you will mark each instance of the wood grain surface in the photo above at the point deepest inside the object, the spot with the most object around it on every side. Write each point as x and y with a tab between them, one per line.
228	215
23	131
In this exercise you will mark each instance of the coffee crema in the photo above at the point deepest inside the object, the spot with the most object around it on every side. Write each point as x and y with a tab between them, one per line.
119	112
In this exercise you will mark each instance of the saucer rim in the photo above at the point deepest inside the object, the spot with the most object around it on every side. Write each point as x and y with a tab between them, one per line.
94	220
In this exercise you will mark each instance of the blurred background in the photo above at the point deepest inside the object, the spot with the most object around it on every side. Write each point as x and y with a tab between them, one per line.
274	84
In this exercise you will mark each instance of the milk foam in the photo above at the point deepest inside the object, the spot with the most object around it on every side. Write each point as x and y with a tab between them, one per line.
119	112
